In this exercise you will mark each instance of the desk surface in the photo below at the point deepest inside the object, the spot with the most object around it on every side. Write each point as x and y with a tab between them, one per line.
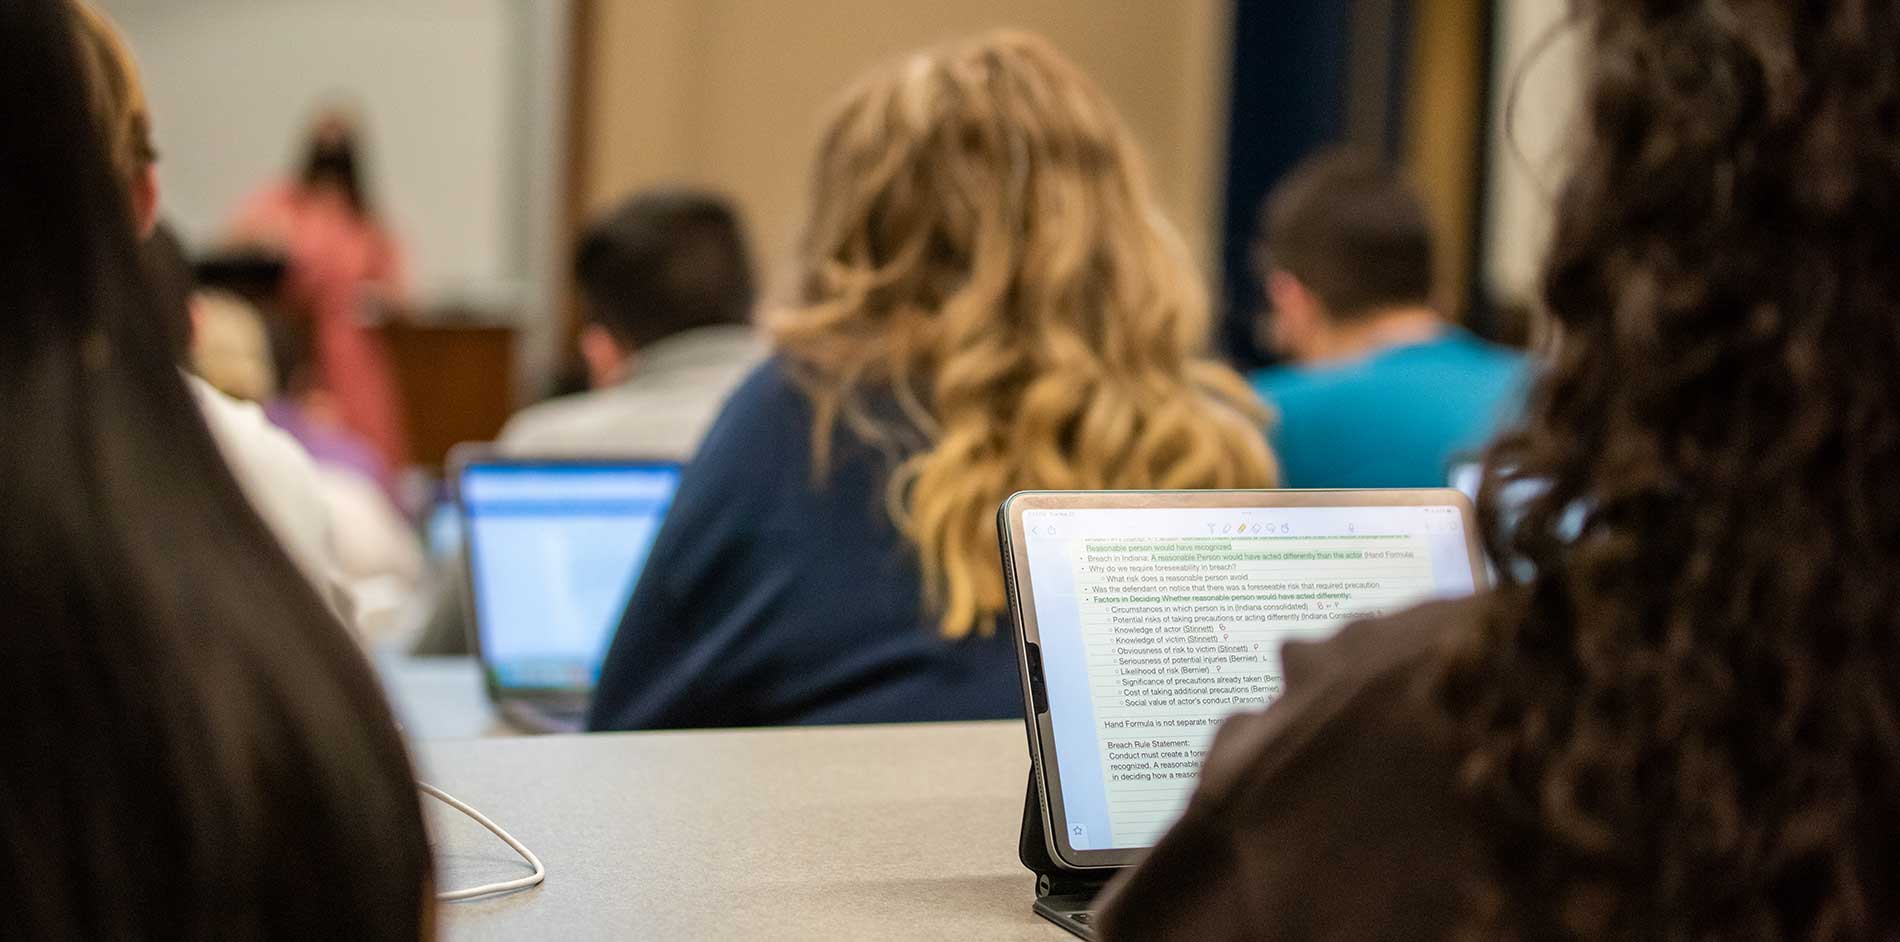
819	833
439	697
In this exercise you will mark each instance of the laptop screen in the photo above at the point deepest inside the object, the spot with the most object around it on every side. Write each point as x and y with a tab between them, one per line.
1156	623
554	552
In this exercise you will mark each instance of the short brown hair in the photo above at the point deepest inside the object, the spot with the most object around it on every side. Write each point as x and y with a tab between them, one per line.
663	262
1353	231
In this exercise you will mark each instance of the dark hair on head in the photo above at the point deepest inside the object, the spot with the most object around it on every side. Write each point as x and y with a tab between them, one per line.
1353	231
168	266
666	261
195	746
1683	706
334	157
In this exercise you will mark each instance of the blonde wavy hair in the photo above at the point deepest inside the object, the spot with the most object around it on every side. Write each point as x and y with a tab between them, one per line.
983	247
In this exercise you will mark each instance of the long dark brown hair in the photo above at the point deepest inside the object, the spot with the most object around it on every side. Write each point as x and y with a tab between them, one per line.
193	746
1682	707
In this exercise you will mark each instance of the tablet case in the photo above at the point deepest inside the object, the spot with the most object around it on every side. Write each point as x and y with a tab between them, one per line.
1064	895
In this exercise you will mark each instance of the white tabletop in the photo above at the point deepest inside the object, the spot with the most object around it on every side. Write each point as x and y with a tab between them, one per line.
863	832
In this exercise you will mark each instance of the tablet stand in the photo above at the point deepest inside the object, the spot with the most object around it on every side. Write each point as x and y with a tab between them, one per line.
1052	878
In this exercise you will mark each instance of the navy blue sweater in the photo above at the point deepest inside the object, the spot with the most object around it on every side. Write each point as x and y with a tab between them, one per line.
771	598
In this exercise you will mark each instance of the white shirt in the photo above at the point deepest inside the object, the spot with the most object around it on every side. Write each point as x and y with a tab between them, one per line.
662	410
281	481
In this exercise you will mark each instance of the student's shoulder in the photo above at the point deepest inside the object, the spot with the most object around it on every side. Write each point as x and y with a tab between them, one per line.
547	423
1310	398
261	454
1484	354
768	409
771	386
281	481
1337	810
1370	684
1498	370
1279	385
764	429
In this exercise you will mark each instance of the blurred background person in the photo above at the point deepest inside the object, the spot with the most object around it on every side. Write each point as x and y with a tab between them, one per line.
277	474
989	300
1679	714
1381	390
195	747
667	286
242	295
346	269
264	359
231	348
490	182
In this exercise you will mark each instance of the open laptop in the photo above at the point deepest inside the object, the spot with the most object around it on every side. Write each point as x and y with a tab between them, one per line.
1143	619
553	551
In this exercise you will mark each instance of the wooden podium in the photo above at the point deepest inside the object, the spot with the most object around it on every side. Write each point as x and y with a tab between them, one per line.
457	382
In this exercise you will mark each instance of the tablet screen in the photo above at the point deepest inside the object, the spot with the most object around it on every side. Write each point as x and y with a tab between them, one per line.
1155	624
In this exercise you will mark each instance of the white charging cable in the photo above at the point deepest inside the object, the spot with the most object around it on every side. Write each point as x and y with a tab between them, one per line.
533	879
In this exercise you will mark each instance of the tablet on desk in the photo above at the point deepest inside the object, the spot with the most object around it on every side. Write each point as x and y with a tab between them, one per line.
1144	619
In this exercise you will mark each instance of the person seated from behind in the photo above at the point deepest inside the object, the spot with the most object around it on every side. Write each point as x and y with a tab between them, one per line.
1678	716
276	474
1382	391
990	299
373	544
231	348
667	284
194	747
668	287
297	401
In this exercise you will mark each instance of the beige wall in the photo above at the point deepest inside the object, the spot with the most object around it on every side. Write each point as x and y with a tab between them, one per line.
1535	97
730	93
1445	87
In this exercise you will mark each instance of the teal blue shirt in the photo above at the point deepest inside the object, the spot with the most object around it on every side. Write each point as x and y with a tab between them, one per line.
1398	418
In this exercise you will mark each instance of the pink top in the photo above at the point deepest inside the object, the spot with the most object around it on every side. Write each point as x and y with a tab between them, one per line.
338	261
